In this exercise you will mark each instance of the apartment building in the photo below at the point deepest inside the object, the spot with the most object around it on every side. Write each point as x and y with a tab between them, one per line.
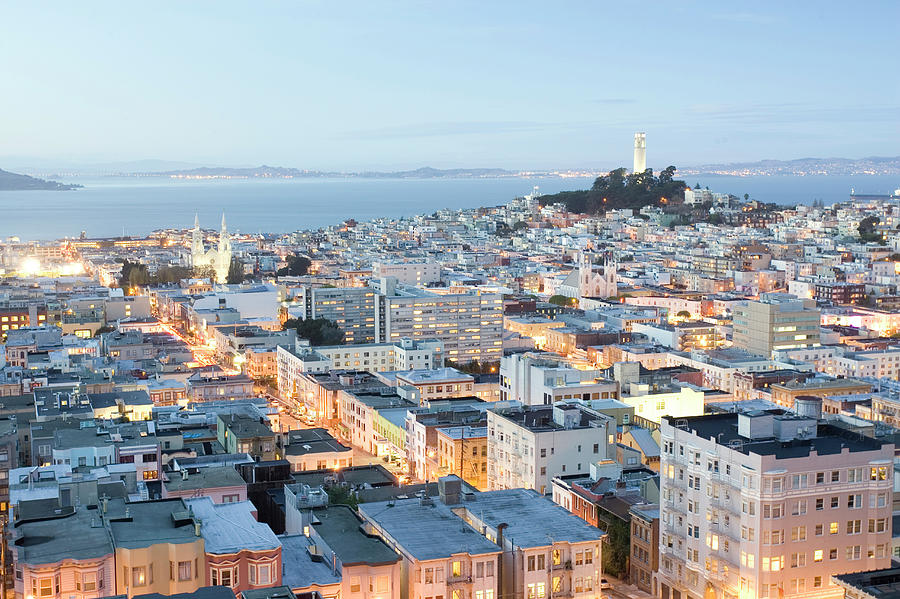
469	323
349	562
358	413
438	383
441	556
785	394
529	445
241	553
115	548
462	450
769	504
643	561
535	378
408	273
452	545
352	308
777	321
402	355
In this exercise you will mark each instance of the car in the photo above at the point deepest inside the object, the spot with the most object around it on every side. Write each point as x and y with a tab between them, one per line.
604	585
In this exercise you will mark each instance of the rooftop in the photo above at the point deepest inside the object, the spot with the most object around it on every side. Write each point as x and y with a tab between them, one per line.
426	530
884	584
345	533
228	528
520	509
829	439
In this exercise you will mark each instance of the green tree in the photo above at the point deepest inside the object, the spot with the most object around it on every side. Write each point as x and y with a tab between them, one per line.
319	331
560	300
868	229
520	225
616	548
341	496
683	314
297	266
235	272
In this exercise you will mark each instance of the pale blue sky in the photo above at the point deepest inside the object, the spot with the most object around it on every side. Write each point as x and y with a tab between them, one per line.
354	85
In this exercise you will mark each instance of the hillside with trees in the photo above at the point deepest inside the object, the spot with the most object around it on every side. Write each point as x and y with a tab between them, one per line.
619	189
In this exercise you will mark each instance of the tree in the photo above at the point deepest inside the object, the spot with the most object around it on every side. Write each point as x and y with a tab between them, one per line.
683	314
620	189
297	266
520	225
342	496
616	548
746	196
319	331
868	229
560	300
134	274
235	272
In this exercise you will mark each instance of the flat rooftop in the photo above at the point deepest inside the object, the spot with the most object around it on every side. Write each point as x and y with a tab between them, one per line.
426	530
829	440
70	537
884	584
521	509
342	530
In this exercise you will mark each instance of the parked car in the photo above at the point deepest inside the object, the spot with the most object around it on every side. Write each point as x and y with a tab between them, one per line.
604	585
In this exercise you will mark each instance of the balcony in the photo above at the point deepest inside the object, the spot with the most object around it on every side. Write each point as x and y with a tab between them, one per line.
566	565
458	580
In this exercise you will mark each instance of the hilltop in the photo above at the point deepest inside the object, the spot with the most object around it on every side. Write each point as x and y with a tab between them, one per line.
16	182
621	190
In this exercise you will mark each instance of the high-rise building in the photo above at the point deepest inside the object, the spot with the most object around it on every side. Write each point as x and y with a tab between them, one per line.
469	323
640	152
769	504
776	321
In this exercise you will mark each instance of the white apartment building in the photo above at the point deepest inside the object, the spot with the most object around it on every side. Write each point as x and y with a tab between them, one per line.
405	354
543	379
769	504
408	273
470	324
528	446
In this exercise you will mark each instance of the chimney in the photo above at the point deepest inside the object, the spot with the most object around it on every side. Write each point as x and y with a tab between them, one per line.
184	474
197	526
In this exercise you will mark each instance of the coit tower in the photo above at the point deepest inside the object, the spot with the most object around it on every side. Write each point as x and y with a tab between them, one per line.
640	152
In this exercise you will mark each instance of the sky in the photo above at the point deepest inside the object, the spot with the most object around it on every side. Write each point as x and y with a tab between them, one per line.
341	85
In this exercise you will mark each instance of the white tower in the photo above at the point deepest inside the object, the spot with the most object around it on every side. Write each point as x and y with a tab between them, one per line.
197	250
640	152
223	256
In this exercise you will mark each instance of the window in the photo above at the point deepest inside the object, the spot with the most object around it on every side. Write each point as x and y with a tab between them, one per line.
555	556
456	567
531	563
817	555
835	502
835	476
833	528
820	504
854	501
139	576
354	581
429	575
479	570
540	590
184	571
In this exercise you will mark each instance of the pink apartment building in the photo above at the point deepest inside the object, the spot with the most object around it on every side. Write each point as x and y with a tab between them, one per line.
769	504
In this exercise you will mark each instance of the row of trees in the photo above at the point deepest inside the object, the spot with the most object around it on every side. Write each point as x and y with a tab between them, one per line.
135	274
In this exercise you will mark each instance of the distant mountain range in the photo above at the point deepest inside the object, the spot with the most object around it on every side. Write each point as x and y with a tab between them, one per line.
873	165
280	172
15	182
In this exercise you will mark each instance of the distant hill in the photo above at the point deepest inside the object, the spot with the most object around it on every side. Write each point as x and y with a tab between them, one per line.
16	182
872	165
280	172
